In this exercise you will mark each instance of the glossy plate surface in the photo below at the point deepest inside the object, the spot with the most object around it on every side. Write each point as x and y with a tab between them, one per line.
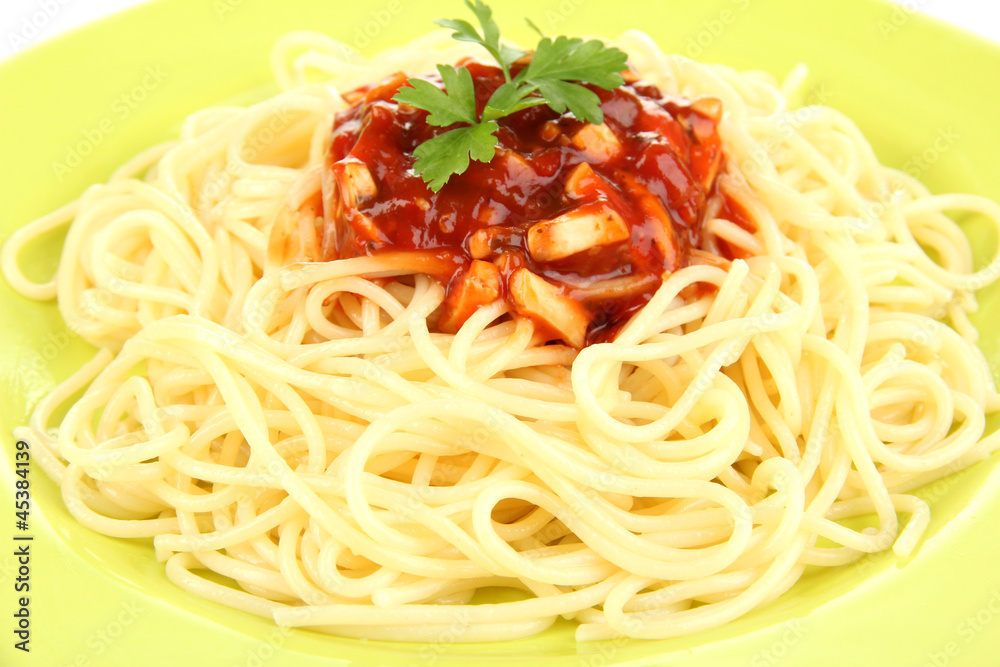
74	108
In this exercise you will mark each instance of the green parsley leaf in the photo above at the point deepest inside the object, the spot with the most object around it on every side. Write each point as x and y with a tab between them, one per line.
531	24
572	59
554	76
449	153
510	98
582	102
457	105
489	39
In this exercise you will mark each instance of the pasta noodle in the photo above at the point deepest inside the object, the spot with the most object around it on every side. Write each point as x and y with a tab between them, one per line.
302	433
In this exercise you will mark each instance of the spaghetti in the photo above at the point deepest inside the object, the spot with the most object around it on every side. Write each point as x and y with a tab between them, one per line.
304	432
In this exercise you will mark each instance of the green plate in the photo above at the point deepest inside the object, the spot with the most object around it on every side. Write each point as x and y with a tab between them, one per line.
74	108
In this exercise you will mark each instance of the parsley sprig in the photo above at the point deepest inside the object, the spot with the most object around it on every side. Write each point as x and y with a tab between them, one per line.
554	76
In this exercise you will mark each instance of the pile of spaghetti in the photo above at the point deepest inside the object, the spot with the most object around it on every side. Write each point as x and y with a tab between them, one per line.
307	432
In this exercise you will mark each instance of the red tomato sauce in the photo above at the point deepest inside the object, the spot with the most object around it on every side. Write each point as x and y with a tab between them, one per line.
625	221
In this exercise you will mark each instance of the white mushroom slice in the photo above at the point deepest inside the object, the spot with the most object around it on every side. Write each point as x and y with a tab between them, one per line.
487	215
578	179
487	242
515	164
356	182
597	141
550	130
480	286
364	227
574	232
479	244
536	297
652	207
709	107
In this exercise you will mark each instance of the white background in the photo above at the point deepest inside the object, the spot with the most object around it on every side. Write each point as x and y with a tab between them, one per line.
24	23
